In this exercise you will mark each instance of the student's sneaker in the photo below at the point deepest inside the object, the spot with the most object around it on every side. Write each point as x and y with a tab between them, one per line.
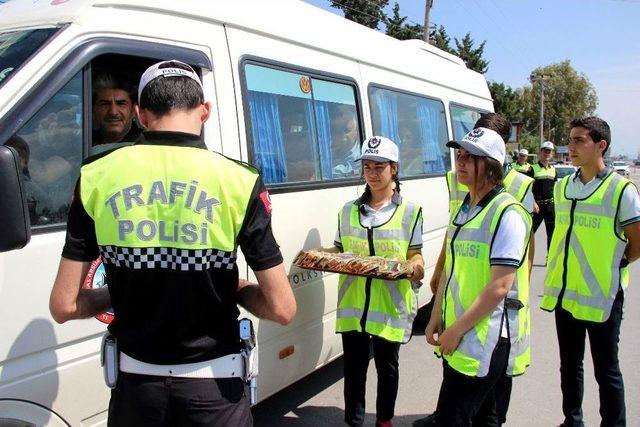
387	423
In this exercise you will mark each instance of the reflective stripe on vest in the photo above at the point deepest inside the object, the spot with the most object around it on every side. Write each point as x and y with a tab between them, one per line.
517	184
393	304
457	192
588	282
172	208
543	173
468	272
521	168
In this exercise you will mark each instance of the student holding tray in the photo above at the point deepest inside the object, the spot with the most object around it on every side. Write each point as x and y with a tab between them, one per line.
376	312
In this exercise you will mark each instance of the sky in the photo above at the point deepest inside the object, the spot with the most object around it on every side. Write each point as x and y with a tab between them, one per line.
600	37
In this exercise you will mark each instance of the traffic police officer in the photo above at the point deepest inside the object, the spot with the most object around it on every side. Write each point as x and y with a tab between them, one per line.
521	165
544	175
480	318
166	215
597	235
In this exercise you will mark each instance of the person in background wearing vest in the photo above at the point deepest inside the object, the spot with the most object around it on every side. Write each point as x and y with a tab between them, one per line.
544	175
373	312
165	215
597	235
521	165
480	319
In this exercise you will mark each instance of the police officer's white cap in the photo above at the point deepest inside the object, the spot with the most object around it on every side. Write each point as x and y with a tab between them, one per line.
164	69
379	149
547	145
482	142
523	152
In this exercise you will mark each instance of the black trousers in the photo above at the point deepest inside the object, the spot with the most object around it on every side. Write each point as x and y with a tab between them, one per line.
147	400
603	340
357	347
548	214
471	401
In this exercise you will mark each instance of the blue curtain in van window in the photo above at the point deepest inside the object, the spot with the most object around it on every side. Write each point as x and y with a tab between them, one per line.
323	128
460	129
388	107
268	145
432	153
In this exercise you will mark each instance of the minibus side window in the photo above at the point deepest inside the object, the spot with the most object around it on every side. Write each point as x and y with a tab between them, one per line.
463	119
50	149
303	129
418	125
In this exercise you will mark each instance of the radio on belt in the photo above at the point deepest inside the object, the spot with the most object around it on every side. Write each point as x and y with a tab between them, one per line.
250	354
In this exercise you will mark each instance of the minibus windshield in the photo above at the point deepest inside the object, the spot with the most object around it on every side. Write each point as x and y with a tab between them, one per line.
17	46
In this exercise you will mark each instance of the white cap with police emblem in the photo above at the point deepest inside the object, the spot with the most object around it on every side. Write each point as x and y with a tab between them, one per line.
165	69
379	149
482	142
547	145
523	152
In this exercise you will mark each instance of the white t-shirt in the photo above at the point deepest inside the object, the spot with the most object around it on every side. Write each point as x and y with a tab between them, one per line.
629	209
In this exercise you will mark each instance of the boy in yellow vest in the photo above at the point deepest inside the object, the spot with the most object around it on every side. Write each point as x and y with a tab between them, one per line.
597	235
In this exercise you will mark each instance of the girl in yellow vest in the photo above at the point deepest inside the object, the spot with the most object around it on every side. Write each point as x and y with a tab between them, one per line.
372	312
480	320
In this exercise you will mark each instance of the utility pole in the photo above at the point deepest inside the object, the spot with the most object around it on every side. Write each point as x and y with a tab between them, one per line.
427	11
540	78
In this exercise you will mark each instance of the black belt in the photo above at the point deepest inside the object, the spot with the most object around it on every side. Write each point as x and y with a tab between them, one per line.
544	201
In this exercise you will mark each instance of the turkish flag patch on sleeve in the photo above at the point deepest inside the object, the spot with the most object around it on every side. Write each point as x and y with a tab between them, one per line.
266	201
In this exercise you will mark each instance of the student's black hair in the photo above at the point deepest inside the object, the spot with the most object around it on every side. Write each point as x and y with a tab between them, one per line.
366	196
598	129
164	94
497	123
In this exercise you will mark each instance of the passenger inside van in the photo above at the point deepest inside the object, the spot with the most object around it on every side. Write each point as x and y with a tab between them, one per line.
114	101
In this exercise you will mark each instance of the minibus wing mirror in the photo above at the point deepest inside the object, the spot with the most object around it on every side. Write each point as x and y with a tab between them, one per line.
15	229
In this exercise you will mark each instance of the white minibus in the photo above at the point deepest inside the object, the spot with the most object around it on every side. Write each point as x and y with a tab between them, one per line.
295	90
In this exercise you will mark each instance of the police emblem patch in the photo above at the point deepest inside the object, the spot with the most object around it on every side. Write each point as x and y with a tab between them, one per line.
96	279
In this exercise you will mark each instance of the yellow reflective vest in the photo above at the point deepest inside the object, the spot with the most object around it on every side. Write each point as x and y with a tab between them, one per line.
521	168
515	183
468	270
586	265
143	207
384	308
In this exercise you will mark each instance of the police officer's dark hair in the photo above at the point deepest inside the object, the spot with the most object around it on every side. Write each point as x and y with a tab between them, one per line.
113	81
164	94
496	122
598	129
366	196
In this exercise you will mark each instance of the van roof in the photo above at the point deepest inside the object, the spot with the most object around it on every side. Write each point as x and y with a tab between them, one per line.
287	19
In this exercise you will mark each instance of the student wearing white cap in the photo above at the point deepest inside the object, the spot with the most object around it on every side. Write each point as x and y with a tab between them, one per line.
373	312
521	164
480	319
167	216
544	174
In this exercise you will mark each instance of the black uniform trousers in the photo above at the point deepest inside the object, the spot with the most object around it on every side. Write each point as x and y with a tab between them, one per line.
466	401
548	214
357	347
148	400
603	341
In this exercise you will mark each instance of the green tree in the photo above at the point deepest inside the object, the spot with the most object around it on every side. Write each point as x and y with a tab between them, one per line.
470	55
507	101
567	95
366	12
440	39
399	29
